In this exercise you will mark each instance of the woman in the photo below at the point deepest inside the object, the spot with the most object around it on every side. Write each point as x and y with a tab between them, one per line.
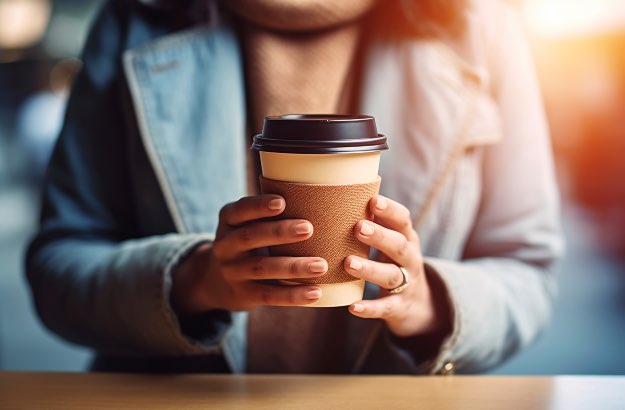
145	254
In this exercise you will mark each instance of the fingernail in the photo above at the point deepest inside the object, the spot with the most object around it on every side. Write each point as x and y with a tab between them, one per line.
275	204
318	267
313	294
303	228
381	203
358	308
355	264
366	229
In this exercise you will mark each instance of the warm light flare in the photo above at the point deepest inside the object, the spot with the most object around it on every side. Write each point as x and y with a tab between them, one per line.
574	17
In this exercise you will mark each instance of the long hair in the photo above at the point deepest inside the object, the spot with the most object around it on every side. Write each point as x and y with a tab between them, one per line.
421	18
424	18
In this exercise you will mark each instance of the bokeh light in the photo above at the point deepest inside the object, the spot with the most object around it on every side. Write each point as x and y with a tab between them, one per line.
22	22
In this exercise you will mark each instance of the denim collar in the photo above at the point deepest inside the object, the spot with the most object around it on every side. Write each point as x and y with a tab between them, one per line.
188	94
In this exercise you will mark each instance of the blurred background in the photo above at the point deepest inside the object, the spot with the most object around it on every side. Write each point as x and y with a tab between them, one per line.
579	48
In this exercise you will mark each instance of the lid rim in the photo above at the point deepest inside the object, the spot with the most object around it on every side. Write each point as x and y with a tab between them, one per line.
320	117
360	141
319	133
337	150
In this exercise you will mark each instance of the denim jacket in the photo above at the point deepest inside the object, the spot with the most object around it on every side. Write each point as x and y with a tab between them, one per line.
154	145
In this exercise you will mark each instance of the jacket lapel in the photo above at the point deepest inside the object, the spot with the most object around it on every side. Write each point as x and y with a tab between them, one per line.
428	101
187	90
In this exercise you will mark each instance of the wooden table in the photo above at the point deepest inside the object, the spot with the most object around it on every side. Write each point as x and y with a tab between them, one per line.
123	391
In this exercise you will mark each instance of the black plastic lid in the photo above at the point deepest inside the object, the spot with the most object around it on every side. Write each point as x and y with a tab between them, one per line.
319	134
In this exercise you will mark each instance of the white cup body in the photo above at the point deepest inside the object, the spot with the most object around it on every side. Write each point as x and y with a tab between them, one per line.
347	168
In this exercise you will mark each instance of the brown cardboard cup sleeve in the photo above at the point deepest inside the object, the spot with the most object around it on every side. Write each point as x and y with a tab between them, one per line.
333	211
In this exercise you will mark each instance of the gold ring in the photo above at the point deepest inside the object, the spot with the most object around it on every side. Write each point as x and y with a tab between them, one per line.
404	283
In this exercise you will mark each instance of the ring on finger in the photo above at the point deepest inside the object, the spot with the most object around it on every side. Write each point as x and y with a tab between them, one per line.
404	283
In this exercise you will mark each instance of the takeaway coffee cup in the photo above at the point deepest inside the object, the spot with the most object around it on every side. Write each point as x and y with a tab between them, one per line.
326	168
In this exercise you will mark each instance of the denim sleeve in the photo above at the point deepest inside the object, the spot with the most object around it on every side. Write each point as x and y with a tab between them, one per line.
114	296
94	281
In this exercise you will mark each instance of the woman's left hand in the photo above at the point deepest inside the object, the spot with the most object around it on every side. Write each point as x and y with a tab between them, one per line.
410	312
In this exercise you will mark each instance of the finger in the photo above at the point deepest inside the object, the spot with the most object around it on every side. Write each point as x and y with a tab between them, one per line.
274	267
392	243
250	208
383	308
260	234
392	215
385	275
260	294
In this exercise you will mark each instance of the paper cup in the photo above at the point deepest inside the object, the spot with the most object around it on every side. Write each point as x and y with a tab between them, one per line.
326	167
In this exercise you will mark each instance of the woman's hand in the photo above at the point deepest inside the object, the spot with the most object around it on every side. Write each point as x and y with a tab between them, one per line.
228	275
410	312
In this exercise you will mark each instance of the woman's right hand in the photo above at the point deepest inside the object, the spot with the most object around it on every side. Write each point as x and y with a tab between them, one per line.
228	275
